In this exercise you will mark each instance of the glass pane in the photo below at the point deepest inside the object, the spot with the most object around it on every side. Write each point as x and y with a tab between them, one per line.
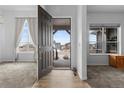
111	40
111	34
93	48
111	47
95	40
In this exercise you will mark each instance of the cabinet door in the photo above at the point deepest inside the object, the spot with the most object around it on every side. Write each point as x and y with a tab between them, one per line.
120	62
112	60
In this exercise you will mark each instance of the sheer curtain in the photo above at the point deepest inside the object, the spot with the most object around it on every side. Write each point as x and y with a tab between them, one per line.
32	29
19	27
33	32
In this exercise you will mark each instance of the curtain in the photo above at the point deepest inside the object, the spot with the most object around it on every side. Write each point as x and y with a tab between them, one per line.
33	32
19	26
32	23
32	29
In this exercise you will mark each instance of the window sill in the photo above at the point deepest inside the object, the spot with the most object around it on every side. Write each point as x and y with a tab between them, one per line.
101	54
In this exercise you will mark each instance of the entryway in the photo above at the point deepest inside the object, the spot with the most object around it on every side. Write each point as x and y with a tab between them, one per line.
61	43
61	79
48	50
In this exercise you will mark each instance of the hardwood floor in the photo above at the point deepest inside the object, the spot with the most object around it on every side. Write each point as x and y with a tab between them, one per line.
105	77
98	77
61	79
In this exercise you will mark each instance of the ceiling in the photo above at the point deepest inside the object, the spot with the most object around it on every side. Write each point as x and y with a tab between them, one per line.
61	21
61	24
106	8
18	7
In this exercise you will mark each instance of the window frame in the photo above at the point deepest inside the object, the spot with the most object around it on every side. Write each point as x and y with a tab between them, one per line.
103	42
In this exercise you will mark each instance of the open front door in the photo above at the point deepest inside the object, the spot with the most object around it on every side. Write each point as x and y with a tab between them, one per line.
45	51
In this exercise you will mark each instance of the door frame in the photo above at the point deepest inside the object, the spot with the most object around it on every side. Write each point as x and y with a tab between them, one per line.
67	17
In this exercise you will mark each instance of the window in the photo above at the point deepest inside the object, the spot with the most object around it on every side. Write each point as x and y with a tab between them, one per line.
103	39
25	41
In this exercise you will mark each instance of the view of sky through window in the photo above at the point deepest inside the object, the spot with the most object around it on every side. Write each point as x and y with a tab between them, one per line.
25	34
62	37
92	38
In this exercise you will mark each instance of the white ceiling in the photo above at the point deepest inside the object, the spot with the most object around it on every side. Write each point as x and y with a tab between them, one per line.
18	7
106	8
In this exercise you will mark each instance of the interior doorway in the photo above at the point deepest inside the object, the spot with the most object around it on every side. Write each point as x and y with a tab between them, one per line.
61	43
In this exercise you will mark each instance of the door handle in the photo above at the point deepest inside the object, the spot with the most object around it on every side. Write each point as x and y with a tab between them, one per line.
39	47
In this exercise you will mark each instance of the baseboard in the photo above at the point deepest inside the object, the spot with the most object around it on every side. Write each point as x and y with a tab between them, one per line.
82	78
7	60
25	60
3	62
97	64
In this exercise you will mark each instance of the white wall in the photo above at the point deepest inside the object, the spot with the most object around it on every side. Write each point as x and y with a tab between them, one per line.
82	42
106	18
8	53
97	60
1	40
27	56
67	11
0	43
1	35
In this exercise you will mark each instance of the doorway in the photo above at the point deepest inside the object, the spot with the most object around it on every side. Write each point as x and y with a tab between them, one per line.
61	43
47	48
